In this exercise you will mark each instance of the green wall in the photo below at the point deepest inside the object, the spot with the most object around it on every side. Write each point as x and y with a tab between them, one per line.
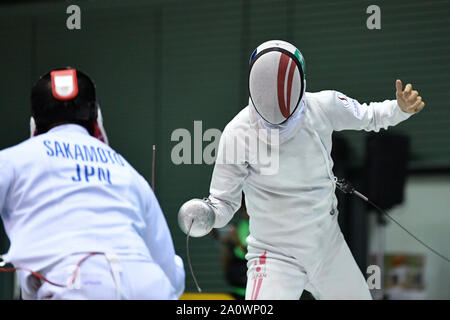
161	65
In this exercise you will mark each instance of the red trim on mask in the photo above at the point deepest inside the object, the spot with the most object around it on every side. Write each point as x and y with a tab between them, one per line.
289	84
281	82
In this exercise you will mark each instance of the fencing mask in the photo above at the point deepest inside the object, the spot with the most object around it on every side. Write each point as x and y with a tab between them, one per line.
276	80
65	96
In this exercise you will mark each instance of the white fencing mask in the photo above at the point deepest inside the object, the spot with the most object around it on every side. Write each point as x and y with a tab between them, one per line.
276	80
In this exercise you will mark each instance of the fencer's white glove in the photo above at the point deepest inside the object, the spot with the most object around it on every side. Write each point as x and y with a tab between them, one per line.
200	214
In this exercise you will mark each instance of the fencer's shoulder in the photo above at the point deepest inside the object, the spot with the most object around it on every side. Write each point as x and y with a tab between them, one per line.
19	149
137	177
6	164
321	97
322	103
240	122
13	157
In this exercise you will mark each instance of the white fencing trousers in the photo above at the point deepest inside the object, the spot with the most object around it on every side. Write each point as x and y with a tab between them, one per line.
137	279
272	276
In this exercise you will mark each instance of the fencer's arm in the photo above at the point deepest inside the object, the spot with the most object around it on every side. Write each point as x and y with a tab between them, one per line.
226	191
197	217
228	175
345	113
6	177
225	195
159	242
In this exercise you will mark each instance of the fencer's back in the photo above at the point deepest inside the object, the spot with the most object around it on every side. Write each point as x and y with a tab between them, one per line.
69	192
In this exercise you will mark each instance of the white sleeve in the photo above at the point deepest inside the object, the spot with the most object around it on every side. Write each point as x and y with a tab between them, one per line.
226	185
159	242
345	113
6	178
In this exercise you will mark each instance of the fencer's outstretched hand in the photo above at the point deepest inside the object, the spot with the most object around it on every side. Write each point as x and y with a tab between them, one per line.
197	217
408	100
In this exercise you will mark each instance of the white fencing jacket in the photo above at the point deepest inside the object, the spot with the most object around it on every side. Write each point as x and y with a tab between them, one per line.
65	192
289	206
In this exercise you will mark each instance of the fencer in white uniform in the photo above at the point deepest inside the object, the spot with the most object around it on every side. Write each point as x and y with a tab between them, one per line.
295	241
64	194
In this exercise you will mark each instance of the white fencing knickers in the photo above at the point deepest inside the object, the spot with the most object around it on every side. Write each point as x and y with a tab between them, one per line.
100	278
275	276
